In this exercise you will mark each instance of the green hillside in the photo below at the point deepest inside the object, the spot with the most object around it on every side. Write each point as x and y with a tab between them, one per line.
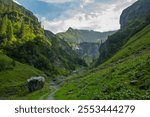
122	58
125	76
23	39
13	79
36	51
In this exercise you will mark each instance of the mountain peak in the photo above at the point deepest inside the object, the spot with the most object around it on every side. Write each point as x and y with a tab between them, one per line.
70	29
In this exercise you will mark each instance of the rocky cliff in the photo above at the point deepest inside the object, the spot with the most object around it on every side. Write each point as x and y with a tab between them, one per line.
138	11
88	51
86	43
132	20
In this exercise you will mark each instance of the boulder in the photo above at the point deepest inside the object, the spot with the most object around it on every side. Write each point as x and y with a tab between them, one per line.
35	83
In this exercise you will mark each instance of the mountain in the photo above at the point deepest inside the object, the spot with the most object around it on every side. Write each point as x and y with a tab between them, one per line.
36	52
123	74
23	39
85	43
88	51
67	57
131	23
137	12
27	50
79	36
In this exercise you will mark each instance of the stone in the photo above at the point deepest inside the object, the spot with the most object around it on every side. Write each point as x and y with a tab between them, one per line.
35	83
134	82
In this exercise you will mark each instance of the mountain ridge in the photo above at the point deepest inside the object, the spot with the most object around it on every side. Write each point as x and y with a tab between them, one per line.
80	35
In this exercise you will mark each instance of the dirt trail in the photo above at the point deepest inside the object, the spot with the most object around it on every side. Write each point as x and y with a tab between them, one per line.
54	86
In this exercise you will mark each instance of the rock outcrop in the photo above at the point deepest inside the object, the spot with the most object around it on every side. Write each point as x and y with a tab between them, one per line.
35	83
138	11
90	49
132	20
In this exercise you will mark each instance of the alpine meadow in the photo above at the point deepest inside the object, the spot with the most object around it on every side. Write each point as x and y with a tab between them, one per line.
42	59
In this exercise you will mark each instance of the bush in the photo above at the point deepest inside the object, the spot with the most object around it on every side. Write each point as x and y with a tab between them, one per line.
4	65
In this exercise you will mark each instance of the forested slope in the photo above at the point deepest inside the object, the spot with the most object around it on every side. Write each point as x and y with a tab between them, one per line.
26	50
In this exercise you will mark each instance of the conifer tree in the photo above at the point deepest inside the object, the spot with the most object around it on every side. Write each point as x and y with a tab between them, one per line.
22	30
9	31
3	27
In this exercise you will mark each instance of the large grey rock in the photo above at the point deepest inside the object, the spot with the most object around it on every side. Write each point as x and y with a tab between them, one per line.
35	83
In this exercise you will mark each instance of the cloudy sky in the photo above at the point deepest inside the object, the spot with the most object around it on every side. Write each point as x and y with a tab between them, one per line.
59	15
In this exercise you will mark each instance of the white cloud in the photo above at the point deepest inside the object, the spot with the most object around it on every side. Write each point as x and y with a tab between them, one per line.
16	2
98	17
85	2
56	1
63	1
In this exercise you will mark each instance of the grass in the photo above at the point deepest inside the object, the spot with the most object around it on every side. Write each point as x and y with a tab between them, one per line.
13	79
124	76
37	95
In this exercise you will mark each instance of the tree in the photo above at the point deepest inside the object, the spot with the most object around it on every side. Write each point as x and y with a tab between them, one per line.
10	35
13	63
3	27
32	28
22	30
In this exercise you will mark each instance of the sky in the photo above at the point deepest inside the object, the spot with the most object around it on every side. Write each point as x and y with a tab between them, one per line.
59	15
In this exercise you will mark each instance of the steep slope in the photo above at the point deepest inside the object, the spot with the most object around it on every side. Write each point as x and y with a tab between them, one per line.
27	50
137	12
88	51
65	53
23	39
125	76
133	20
85	43
13	79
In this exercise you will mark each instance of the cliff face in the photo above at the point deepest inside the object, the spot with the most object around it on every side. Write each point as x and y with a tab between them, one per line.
88	51
86	43
132	20
138	11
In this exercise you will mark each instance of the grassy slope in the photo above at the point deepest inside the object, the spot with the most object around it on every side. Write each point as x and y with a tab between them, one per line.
14	78
125	76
